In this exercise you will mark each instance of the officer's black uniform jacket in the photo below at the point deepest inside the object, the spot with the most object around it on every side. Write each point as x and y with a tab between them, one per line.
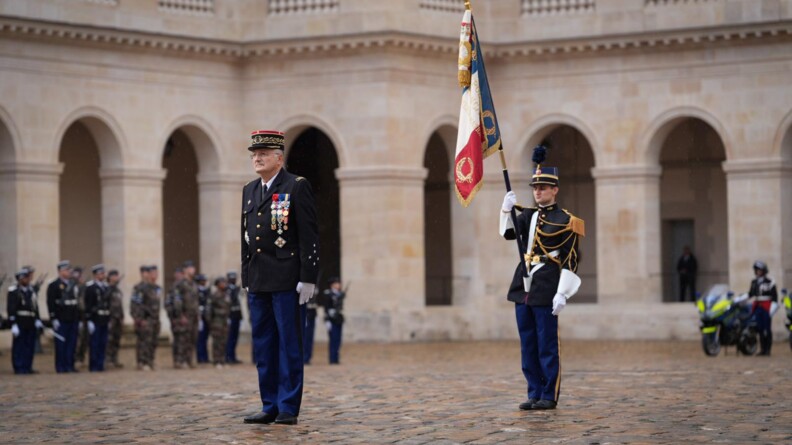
267	267
236	307
22	307
63	301
764	289
97	303
553	232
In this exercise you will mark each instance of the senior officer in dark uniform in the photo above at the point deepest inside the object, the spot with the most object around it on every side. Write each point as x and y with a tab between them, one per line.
279	270
64	310
550	235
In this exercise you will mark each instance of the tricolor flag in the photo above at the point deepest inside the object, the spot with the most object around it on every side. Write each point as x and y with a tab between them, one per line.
479	135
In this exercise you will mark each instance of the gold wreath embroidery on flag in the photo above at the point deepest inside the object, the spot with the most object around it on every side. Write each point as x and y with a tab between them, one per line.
460	174
489	131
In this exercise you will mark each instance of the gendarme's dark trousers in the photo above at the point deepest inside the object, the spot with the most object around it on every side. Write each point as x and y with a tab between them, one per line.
334	345
22	349
277	321
310	328
96	359
64	349
201	346
233	337
540	347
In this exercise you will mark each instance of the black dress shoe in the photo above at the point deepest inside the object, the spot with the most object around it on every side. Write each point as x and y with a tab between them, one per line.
261	417
286	419
544	404
528	404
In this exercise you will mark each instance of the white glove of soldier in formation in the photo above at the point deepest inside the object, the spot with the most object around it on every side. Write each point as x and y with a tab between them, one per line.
306	291
55	324
91	327
15	330
39	324
509	201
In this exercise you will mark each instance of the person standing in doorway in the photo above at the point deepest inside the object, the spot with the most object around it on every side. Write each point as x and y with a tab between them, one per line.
687	267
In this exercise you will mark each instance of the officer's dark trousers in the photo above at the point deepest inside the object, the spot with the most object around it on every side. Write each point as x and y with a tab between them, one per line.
22	349
335	341
540	347
765	332
310	327
98	348
64	349
231	344
201	348
278	321
685	283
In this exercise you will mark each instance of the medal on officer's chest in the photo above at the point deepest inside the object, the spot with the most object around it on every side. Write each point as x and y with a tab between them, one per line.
280	216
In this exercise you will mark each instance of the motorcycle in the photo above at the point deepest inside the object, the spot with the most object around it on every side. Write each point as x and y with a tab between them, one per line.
727	321
785	297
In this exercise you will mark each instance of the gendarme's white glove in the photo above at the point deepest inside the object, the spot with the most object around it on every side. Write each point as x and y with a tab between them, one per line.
39	324
509	202
91	327
15	330
773	308
328	325
200	325
559	303
55	324
306	291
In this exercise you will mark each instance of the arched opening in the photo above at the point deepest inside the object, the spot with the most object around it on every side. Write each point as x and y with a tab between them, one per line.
80	196
313	156
8	202
438	258
180	207
693	210
571	152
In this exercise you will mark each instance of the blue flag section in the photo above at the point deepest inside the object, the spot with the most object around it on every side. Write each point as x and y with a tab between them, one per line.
489	119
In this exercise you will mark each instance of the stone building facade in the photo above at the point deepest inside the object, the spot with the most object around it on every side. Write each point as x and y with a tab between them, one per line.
123	128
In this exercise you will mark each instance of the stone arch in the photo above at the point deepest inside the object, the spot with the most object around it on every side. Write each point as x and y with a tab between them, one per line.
104	129
656	133
294	126
203	138
541	128
9	138
782	143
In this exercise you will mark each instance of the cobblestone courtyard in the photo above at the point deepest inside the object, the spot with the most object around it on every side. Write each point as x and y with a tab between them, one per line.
433	393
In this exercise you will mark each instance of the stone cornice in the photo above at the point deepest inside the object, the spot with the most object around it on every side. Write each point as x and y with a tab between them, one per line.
132	176
626	172
757	168
380	175
32	171
223	180
392	40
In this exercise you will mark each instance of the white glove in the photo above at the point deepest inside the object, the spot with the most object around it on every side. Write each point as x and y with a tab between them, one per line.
773	308
328	325
91	327
55	324
559	303
306	291
509	201
15	330
39	324
200	325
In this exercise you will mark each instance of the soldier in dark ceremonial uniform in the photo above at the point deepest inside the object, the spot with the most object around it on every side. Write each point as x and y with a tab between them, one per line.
280	260
218	309
550	237
144	308
311	310
333	302
763	290
97	314
64	312
23	314
83	337
201	345
115	327
234	319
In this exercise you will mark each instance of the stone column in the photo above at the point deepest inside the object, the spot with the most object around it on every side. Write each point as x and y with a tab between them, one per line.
220	197
382	244
30	218
758	229
132	222
628	234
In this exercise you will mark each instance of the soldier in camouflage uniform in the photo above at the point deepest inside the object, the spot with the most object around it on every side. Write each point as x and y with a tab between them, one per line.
144	307
218	311
188	291
116	327
180	324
